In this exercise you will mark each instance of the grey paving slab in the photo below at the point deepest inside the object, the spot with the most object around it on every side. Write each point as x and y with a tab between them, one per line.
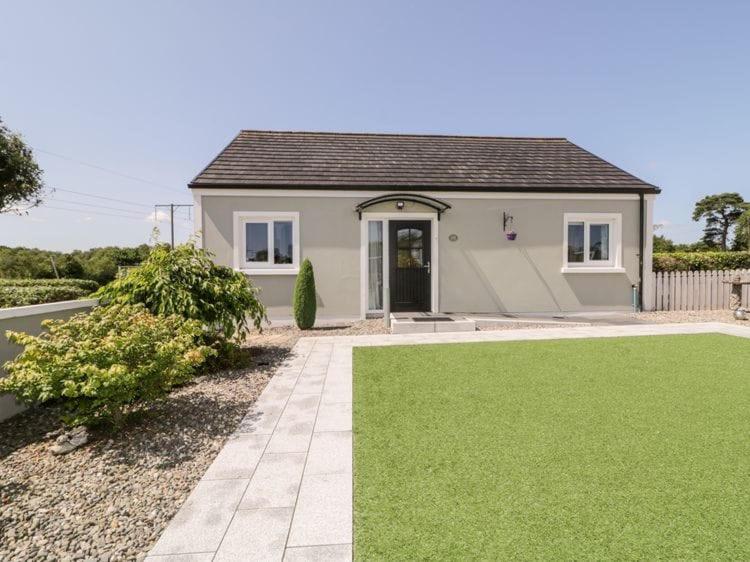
324	511
327	553
300	408
309	384
203	519
337	391
197	557
330	453
256	534
261	419
335	416
275	482
293	438
238	458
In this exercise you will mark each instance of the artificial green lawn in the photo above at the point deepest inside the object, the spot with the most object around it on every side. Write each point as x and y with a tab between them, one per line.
622	448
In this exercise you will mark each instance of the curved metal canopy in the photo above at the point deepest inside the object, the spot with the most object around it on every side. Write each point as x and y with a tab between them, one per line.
439	206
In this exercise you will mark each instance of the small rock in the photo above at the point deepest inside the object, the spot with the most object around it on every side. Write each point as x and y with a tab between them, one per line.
70	441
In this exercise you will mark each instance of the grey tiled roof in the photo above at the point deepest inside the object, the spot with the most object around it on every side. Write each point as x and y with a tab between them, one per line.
282	159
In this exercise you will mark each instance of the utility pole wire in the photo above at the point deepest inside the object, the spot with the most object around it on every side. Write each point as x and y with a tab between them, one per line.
108	170
104	198
131	211
172	207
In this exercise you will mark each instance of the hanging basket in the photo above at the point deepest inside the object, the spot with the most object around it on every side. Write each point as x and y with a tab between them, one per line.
511	235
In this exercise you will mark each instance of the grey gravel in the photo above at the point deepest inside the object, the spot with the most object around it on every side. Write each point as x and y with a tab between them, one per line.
110	499
682	316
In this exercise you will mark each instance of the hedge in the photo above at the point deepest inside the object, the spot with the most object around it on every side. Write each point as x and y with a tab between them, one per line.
701	261
24	296
86	284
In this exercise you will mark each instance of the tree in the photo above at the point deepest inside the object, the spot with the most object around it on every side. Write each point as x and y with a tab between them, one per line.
742	232
663	244
20	175
304	302
720	212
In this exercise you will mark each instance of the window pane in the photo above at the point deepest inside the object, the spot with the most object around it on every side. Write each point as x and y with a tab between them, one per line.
282	242
575	242
375	265
599	242
403	238
416	238
256	242
403	258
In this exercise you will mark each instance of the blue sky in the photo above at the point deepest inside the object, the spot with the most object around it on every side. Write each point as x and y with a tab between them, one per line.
154	90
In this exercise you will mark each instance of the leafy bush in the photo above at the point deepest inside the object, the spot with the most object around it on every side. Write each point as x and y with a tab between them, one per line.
701	261
24	296
86	284
305	304
186	282
101	364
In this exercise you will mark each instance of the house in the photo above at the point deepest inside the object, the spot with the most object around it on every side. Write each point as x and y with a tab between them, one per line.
439	223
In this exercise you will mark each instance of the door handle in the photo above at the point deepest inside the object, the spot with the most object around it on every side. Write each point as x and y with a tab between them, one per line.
429	268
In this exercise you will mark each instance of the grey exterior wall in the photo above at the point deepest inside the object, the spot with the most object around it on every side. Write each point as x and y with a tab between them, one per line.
28	319
479	272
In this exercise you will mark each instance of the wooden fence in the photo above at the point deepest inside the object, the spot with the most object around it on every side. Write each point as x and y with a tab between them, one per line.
696	290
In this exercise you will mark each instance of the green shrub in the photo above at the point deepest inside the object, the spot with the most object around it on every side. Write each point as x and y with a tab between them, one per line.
305	304
701	261
184	281
100	365
24	296
86	284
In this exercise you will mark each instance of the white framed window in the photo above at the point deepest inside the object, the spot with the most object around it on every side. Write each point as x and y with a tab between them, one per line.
592	243
266	243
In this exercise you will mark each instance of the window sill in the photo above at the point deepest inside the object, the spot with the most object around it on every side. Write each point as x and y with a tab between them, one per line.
592	269
270	271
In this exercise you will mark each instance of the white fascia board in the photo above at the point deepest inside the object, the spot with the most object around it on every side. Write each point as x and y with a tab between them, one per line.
251	192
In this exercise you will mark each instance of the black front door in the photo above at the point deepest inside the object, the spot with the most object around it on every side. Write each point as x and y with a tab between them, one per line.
410	268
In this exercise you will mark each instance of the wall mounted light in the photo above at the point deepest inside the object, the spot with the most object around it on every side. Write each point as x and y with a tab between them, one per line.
400	205
510	234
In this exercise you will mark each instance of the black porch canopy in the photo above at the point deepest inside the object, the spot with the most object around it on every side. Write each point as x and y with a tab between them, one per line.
439	206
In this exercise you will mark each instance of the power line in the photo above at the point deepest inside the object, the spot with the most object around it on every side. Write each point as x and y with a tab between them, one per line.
100	206
103	169
102	197
172	207
88	212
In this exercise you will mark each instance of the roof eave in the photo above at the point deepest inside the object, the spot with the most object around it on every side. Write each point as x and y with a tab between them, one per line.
646	189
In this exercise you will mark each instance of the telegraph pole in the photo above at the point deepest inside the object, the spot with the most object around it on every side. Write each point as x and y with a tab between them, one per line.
172	207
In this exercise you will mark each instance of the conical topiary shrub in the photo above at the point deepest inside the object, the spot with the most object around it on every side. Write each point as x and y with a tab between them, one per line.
305	305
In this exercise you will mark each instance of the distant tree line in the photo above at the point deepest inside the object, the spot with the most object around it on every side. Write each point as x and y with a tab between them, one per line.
727	226
98	264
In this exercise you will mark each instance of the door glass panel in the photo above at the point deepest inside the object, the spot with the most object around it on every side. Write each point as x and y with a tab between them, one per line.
404	258
375	265
599	242
403	238
282	242
416	238
256	242
575	242
409	246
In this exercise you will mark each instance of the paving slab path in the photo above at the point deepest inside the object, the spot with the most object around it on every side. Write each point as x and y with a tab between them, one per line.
281	488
